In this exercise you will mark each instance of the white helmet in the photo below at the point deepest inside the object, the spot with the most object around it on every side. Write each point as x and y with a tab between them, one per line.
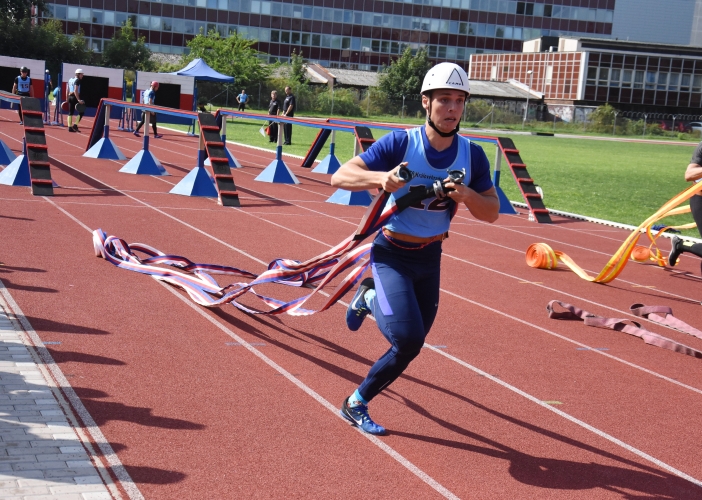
446	76
79	71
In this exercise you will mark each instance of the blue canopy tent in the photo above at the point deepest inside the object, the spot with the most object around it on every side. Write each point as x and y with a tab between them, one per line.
200	71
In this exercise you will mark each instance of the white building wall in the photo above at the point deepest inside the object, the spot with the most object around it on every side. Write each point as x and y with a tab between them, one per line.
657	21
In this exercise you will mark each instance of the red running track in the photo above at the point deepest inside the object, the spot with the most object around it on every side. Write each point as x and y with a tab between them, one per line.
504	403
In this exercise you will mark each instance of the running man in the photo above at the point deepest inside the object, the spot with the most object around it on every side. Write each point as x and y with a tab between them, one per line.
149	98
692	174
74	100
23	88
403	294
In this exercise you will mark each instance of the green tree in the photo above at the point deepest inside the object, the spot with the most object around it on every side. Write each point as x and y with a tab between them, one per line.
125	51
297	67
17	11
45	41
404	76
232	56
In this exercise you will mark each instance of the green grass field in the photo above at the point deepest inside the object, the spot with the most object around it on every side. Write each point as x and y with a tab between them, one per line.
618	181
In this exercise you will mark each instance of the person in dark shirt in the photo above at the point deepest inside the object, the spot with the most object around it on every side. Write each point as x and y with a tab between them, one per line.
692	174
289	106
23	88
274	110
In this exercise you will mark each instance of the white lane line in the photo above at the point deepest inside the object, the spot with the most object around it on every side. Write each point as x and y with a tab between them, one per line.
462	363
576	421
88	423
387	449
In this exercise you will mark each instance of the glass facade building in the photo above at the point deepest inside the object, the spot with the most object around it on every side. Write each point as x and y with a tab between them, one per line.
355	34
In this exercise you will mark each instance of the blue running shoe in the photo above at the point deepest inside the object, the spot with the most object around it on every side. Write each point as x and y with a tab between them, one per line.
358	416
358	310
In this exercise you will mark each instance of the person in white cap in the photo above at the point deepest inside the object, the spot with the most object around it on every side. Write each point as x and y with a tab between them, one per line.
149	98
75	101
403	294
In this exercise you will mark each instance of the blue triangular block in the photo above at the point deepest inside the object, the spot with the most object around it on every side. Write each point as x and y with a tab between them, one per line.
277	172
328	165
233	162
16	173
6	154
505	206
105	149
355	198
197	183
144	163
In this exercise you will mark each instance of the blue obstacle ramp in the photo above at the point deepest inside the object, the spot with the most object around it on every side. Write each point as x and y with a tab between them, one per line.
16	173
105	149
277	172
144	163
6	154
197	183
353	198
505	205
233	162
328	165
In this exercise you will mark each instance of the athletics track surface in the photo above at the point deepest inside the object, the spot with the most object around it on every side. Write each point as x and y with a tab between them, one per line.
503	403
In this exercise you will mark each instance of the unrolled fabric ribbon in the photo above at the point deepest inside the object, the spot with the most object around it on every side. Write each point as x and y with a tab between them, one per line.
314	273
542	256
628	326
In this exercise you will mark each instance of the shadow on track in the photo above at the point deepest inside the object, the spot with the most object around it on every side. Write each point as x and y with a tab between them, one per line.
104	411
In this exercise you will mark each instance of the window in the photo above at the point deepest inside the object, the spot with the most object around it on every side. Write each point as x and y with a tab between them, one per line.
109	18
626	78
167	26
284	37
493	73
275	36
549	75
638	79
222	4
442	52
265	8
144	22
72	14
500	32
591	75
179	25
548	10
614	77
650	80
305	39
604	76
697	83
685	83
295	39
673	80
97	17
539	9
662	81
85	16
120	19
316	39
521	7
463	28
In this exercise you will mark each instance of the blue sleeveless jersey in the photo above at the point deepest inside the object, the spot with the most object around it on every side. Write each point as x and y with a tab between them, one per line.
149	97
431	216
23	84
72	84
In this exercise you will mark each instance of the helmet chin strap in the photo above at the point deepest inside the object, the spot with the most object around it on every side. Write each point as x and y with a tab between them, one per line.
436	129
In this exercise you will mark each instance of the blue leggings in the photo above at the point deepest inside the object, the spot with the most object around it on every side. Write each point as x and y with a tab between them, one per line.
407	298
